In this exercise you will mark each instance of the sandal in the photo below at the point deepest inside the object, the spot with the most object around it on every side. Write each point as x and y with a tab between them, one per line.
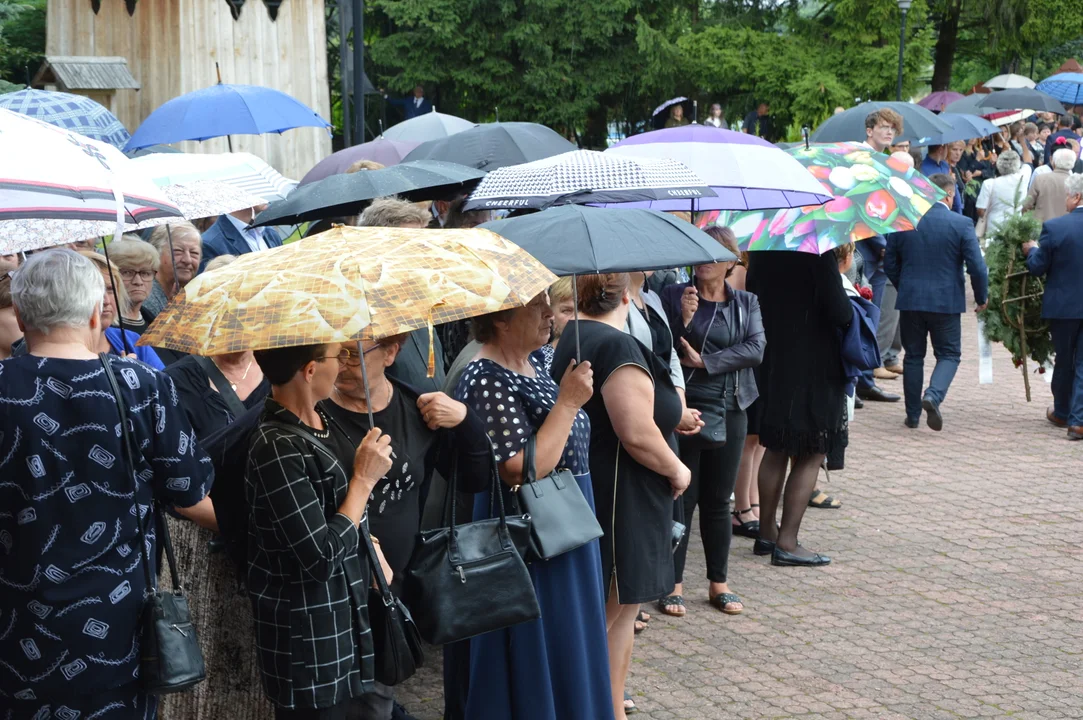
822	500
629	704
721	600
641	622
667	604
750	529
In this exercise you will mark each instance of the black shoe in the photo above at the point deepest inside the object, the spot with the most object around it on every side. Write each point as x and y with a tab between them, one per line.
910	423
858	404
398	712
786	559
877	394
932	414
763	547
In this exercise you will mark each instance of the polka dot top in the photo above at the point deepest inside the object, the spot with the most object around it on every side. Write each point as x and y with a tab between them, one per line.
512	407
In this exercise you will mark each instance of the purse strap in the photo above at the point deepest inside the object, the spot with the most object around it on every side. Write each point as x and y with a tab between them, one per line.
225	387
378	571
155	512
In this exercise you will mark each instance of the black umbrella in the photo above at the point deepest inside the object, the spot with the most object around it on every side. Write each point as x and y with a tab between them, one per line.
967	106
580	240
494	145
1019	99
340	195
849	126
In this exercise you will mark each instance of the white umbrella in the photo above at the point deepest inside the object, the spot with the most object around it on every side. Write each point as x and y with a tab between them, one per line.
48	172
430	126
1010	81
242	170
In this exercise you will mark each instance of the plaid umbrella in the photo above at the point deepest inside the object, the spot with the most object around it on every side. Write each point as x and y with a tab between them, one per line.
873	194
71	112
586	176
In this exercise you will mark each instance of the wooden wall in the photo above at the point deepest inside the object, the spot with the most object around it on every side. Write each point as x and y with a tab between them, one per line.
172	46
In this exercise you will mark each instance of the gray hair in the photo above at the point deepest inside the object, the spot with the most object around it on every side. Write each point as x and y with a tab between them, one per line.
58	288
1008	163
134	254
393	212
1074	184
159	238
1063	159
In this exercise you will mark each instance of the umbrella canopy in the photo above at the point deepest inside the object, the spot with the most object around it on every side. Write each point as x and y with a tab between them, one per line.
430	126
1019	99
849	125
744	171
341	195
1066	87
968	105
347	284
49	172
668	104
244	171
72	112
1010	81
874	195
381	150
938	100
963	127
585	176
495	145
224	110
574	240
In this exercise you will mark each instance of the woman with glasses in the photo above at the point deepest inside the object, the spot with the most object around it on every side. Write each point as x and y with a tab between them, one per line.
137	262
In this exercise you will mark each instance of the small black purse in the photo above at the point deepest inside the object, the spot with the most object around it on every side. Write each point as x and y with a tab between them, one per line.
170	659
396	643
456	571
712	407
561	519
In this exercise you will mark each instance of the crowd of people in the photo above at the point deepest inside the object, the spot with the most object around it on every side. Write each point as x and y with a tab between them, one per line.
721	390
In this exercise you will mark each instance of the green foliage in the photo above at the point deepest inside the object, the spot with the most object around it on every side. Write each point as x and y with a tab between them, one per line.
1004	256
22	38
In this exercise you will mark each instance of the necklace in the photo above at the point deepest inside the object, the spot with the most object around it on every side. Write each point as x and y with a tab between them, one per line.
232	384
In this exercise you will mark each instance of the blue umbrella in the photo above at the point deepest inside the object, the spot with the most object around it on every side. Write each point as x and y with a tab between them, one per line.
1066	87
963	127
72	112
224	110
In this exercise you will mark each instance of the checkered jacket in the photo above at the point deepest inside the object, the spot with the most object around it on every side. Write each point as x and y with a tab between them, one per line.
306	581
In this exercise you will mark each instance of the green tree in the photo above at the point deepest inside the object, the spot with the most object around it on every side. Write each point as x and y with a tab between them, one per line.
22	38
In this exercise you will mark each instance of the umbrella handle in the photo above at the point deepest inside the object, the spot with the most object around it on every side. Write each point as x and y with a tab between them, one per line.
116	301
575	299
172	259
365	381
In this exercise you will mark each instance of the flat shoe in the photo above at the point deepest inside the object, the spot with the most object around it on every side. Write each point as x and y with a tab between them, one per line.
671	601
721	600
763	547
787	559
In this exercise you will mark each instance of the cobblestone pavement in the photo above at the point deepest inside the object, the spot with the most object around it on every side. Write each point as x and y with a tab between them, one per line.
956	589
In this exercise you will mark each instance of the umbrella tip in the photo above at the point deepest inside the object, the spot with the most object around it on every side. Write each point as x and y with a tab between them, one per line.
805	134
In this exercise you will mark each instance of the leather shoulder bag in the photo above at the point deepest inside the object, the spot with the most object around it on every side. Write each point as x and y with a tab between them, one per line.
170	659
466	580
561	519
396	643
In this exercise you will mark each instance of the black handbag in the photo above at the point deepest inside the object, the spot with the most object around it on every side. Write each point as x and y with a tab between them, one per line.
397	648
169	656
466	580
561	519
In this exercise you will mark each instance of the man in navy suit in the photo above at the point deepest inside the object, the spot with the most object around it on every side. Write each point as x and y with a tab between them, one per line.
414	105
1058	255
230	235
926	265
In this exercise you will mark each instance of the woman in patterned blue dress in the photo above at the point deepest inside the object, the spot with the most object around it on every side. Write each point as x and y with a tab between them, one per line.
556	667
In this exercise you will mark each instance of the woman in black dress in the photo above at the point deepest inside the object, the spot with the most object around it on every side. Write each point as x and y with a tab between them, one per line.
802	388
637	473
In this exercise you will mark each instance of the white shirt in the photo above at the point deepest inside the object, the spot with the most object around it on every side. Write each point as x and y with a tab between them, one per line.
1003	197
253	236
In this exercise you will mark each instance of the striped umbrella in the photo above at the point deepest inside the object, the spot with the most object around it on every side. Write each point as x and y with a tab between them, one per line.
242	170
72	112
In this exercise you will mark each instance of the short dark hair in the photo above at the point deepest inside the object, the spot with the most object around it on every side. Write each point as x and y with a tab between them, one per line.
934	148
943	181
1066	120
483	327
280	365
600	294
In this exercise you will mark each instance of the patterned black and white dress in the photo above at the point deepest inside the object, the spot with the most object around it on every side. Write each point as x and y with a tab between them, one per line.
71	581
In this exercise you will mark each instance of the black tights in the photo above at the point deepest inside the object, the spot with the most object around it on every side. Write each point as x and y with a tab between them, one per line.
798	488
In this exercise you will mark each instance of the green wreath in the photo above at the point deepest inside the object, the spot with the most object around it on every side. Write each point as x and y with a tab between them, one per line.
1015	297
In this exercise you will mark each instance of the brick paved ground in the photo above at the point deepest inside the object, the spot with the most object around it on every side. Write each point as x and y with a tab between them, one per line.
956	589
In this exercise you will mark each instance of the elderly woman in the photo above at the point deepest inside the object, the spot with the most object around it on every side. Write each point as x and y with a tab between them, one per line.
1004	195
115	340
138	264
638	474
554	667
175	268
10	333
720	337
72	565
307	581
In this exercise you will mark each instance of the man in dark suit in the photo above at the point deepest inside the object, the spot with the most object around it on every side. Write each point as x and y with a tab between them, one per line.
1064	130
1058	255
230	235
414	105
926	266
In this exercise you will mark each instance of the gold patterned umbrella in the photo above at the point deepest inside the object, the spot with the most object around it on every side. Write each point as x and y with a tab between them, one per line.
347	284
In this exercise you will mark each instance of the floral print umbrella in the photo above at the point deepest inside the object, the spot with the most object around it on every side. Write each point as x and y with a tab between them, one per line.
873	195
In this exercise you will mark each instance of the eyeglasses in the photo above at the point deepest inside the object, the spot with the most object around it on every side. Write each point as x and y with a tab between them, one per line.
350	358
144	275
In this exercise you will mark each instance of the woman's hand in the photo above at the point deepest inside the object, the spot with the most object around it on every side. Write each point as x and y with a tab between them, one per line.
577	385
680	480
689	304
689	357
690	422
372	459
440	411
389	574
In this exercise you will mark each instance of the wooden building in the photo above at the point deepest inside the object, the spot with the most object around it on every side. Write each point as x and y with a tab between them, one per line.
171	47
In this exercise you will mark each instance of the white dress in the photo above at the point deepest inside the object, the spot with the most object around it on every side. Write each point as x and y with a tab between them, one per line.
1003	197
